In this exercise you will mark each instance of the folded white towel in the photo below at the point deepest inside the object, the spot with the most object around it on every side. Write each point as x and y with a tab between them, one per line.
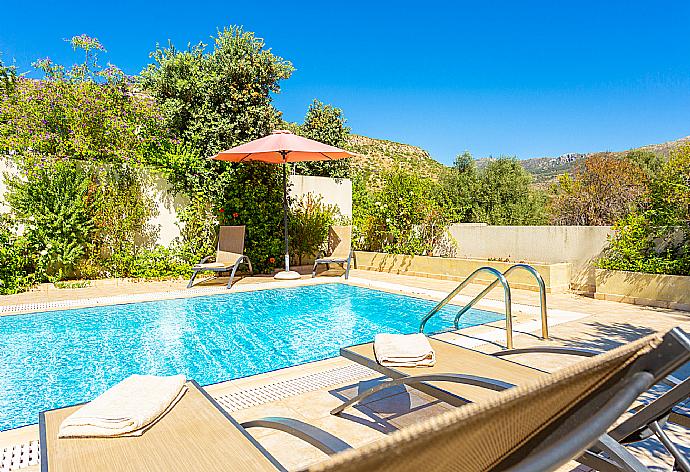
126	409
404	350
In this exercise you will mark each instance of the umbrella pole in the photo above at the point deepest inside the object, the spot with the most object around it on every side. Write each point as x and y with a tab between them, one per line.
285	217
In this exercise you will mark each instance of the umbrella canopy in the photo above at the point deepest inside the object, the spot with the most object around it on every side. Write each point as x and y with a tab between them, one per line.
281	147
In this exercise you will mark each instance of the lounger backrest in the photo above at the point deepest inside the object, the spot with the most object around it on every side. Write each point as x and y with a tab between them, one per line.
230	243
497	433
339	241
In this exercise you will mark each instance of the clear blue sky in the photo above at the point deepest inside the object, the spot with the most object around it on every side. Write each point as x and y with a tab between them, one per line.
517	78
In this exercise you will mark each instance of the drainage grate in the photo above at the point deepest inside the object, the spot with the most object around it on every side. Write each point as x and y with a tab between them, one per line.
289	388
19	456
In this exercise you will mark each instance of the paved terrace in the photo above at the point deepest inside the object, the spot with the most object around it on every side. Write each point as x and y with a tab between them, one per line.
307	392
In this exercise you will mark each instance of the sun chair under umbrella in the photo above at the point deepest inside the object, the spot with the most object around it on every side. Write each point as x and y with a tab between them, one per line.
282	147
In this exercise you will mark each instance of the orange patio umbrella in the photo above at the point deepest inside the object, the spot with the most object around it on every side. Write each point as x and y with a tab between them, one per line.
281	147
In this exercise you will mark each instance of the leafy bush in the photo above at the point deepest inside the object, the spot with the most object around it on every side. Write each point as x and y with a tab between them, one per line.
404	217
308	225
53	200
15	258
84	112
656	237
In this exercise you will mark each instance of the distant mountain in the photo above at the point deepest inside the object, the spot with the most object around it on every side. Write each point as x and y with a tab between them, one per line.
546	169
374	156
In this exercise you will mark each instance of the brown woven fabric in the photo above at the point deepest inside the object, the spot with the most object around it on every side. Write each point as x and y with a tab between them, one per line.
478	436
230	244
339	242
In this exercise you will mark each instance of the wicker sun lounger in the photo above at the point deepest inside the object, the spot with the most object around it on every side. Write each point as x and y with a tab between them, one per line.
461	376
229	255
537	426
339	249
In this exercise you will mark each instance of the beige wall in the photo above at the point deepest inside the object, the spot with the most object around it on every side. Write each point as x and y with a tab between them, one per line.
556	276
578	245
334	191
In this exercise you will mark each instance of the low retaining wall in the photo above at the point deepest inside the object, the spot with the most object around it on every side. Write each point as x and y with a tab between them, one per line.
577	245
556	276
665	291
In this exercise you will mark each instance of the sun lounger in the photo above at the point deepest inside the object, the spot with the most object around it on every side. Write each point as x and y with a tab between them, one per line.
537	426
196	434
647	419
459	371
229	255
339	249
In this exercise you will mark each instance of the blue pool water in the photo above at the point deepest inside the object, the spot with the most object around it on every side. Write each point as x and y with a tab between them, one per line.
59	358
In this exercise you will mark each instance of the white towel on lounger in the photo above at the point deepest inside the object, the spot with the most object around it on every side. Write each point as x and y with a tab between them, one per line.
126	409
404	350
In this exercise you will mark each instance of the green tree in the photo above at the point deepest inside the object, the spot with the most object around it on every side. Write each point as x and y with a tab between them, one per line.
220	98
216	99
326	124
460	186
505	195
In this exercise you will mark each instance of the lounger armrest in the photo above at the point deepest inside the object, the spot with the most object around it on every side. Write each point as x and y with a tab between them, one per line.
572	351
317	437
484	382
205	259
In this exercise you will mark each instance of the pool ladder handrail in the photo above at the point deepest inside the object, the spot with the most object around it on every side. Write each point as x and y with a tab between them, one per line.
506	295
500	277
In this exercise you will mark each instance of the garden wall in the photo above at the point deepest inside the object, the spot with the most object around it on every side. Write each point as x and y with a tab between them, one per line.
556	276
665	291
578	245
334	192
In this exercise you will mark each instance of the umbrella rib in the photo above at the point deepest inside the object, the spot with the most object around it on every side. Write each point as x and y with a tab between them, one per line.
246	156
327	156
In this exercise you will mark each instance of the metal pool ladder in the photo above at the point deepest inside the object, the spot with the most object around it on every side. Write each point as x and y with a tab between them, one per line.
500	278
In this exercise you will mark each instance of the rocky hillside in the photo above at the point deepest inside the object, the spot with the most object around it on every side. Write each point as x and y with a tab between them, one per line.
374	156
377	155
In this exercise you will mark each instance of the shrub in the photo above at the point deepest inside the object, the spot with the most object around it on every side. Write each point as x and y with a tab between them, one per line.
404	217
85	112
15	258
308	225
216	99
655	238
53	199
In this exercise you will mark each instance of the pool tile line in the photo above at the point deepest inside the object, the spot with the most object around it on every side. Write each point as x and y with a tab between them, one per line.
26	308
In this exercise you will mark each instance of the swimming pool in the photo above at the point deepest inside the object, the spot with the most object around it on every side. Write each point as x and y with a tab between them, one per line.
54	359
